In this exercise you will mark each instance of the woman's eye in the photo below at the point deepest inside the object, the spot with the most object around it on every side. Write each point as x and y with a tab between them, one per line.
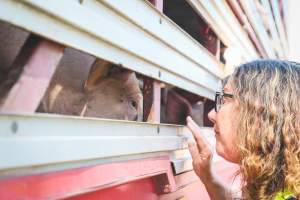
226	99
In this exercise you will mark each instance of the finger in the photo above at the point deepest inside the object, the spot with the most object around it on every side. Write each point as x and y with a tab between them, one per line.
200	140
192	122
193	151
194	125
190	119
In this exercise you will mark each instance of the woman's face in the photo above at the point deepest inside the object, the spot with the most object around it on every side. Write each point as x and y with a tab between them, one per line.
225	127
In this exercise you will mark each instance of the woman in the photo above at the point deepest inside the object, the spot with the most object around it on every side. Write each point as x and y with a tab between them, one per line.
257	125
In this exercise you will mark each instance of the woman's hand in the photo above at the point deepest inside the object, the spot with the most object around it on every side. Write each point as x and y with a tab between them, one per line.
202	159
201	153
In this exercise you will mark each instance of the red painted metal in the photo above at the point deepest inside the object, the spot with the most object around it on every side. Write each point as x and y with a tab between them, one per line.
155	110
158	4
137	179
74	182
152	95
188	185
137	190
35	65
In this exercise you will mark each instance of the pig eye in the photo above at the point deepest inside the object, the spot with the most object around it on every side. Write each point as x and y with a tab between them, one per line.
134	104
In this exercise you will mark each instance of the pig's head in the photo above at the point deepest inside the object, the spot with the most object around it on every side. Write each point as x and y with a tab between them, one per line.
112	92
177	108
178	104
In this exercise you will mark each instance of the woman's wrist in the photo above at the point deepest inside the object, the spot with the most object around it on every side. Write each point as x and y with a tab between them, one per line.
208	178
216	188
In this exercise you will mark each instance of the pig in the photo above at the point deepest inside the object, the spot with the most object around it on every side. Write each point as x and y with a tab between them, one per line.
177	104
107	91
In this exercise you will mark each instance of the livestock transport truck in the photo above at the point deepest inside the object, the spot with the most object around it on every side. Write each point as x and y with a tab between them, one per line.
82	143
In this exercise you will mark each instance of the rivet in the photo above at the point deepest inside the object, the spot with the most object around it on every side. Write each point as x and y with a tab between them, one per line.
14	127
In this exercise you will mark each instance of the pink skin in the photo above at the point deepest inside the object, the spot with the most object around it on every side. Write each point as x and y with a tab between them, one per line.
225	127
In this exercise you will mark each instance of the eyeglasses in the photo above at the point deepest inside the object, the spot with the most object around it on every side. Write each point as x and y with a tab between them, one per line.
219	99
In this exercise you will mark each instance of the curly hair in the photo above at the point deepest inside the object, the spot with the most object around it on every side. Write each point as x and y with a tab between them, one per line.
268	96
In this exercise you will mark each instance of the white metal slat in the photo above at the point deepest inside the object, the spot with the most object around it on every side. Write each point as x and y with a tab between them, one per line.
26	141
78	31
42	139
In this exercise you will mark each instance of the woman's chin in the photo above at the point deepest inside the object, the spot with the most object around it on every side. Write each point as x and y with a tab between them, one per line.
220	150
227	156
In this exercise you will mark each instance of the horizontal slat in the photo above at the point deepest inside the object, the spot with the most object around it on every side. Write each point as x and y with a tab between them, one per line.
146	42
184	163
43	139
181	161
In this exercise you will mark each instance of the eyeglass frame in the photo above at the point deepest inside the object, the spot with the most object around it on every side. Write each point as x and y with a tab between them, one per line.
220	96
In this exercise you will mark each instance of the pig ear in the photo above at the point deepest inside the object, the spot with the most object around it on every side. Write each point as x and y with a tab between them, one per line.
127	75
99	69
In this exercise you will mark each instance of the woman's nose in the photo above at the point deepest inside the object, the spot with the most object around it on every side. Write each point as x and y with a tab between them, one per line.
212	115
